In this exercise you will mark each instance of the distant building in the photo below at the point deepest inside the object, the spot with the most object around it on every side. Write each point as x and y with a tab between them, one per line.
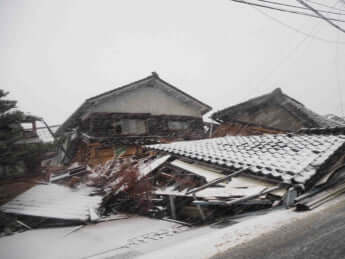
338	119
275	111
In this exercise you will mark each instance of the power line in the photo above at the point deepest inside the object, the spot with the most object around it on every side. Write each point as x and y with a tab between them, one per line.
321	15
284	10
337	74
288	55
324	5
297	7
298	30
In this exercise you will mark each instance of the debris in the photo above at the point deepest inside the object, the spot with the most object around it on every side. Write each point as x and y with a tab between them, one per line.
287	158
178	222
193	182
70	172
54	201
320	198
113	217
216	181
290	197
23	224
208	173
74	230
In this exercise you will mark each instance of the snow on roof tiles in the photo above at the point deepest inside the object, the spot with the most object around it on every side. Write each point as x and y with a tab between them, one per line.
283	157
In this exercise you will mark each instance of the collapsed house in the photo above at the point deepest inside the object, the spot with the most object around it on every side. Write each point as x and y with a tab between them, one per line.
192	182
247	172
255	161
147	111
274	111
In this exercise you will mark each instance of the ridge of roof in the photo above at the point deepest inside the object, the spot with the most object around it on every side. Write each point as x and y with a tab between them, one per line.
294	107
260	98
153	76
90	101
120	88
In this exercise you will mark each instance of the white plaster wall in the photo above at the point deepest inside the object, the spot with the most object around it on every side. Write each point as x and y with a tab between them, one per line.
146	100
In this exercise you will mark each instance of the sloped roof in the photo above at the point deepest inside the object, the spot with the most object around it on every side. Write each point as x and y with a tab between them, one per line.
289	158
54	201
295	108
71	121
338	119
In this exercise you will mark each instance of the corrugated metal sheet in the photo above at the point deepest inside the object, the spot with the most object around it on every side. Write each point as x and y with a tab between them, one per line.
54	201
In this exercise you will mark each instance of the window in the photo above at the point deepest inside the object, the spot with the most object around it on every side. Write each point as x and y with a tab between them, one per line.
178	125
129	127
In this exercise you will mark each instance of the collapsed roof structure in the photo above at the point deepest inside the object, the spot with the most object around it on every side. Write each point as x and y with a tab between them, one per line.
286	158
258	170
259	158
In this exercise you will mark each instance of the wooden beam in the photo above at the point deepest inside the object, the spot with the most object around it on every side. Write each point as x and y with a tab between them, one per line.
172	206
250	197
216	181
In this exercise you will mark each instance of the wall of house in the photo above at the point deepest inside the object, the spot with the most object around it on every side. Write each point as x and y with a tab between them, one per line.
141	124
146	100
242	129
270	116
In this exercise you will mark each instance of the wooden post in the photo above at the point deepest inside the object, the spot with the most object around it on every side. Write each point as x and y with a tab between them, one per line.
172	206
202	214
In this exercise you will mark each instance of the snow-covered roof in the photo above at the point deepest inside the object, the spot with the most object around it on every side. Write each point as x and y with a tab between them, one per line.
54	201
289	158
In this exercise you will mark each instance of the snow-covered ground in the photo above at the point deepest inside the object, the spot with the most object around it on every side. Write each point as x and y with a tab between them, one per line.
141	237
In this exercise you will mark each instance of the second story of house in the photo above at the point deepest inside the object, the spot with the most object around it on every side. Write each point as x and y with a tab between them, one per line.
148	107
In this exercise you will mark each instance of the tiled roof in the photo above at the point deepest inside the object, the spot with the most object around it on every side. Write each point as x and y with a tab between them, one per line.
295	108
152	80
283	157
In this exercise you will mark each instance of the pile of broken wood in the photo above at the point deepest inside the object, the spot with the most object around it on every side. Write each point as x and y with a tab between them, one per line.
193	182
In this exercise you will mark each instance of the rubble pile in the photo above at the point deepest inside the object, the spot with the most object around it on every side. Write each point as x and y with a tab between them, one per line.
191	182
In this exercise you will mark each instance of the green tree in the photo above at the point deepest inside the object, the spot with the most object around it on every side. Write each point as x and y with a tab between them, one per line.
17	158
10	132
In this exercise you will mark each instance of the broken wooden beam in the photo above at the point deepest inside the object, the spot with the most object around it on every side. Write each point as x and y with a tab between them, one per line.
250	197
216	181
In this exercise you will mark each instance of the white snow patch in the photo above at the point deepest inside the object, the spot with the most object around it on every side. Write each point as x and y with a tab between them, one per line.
219	241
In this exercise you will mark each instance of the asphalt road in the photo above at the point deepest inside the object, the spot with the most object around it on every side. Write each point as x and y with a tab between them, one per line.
320	235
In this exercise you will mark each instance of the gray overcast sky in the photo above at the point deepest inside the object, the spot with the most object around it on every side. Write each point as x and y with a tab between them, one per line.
55	54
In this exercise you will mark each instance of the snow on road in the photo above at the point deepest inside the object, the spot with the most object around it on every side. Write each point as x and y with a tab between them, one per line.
140	237
219	241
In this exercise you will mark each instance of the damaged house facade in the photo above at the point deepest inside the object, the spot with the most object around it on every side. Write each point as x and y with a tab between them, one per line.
146	111
272	113
247	172
142	149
